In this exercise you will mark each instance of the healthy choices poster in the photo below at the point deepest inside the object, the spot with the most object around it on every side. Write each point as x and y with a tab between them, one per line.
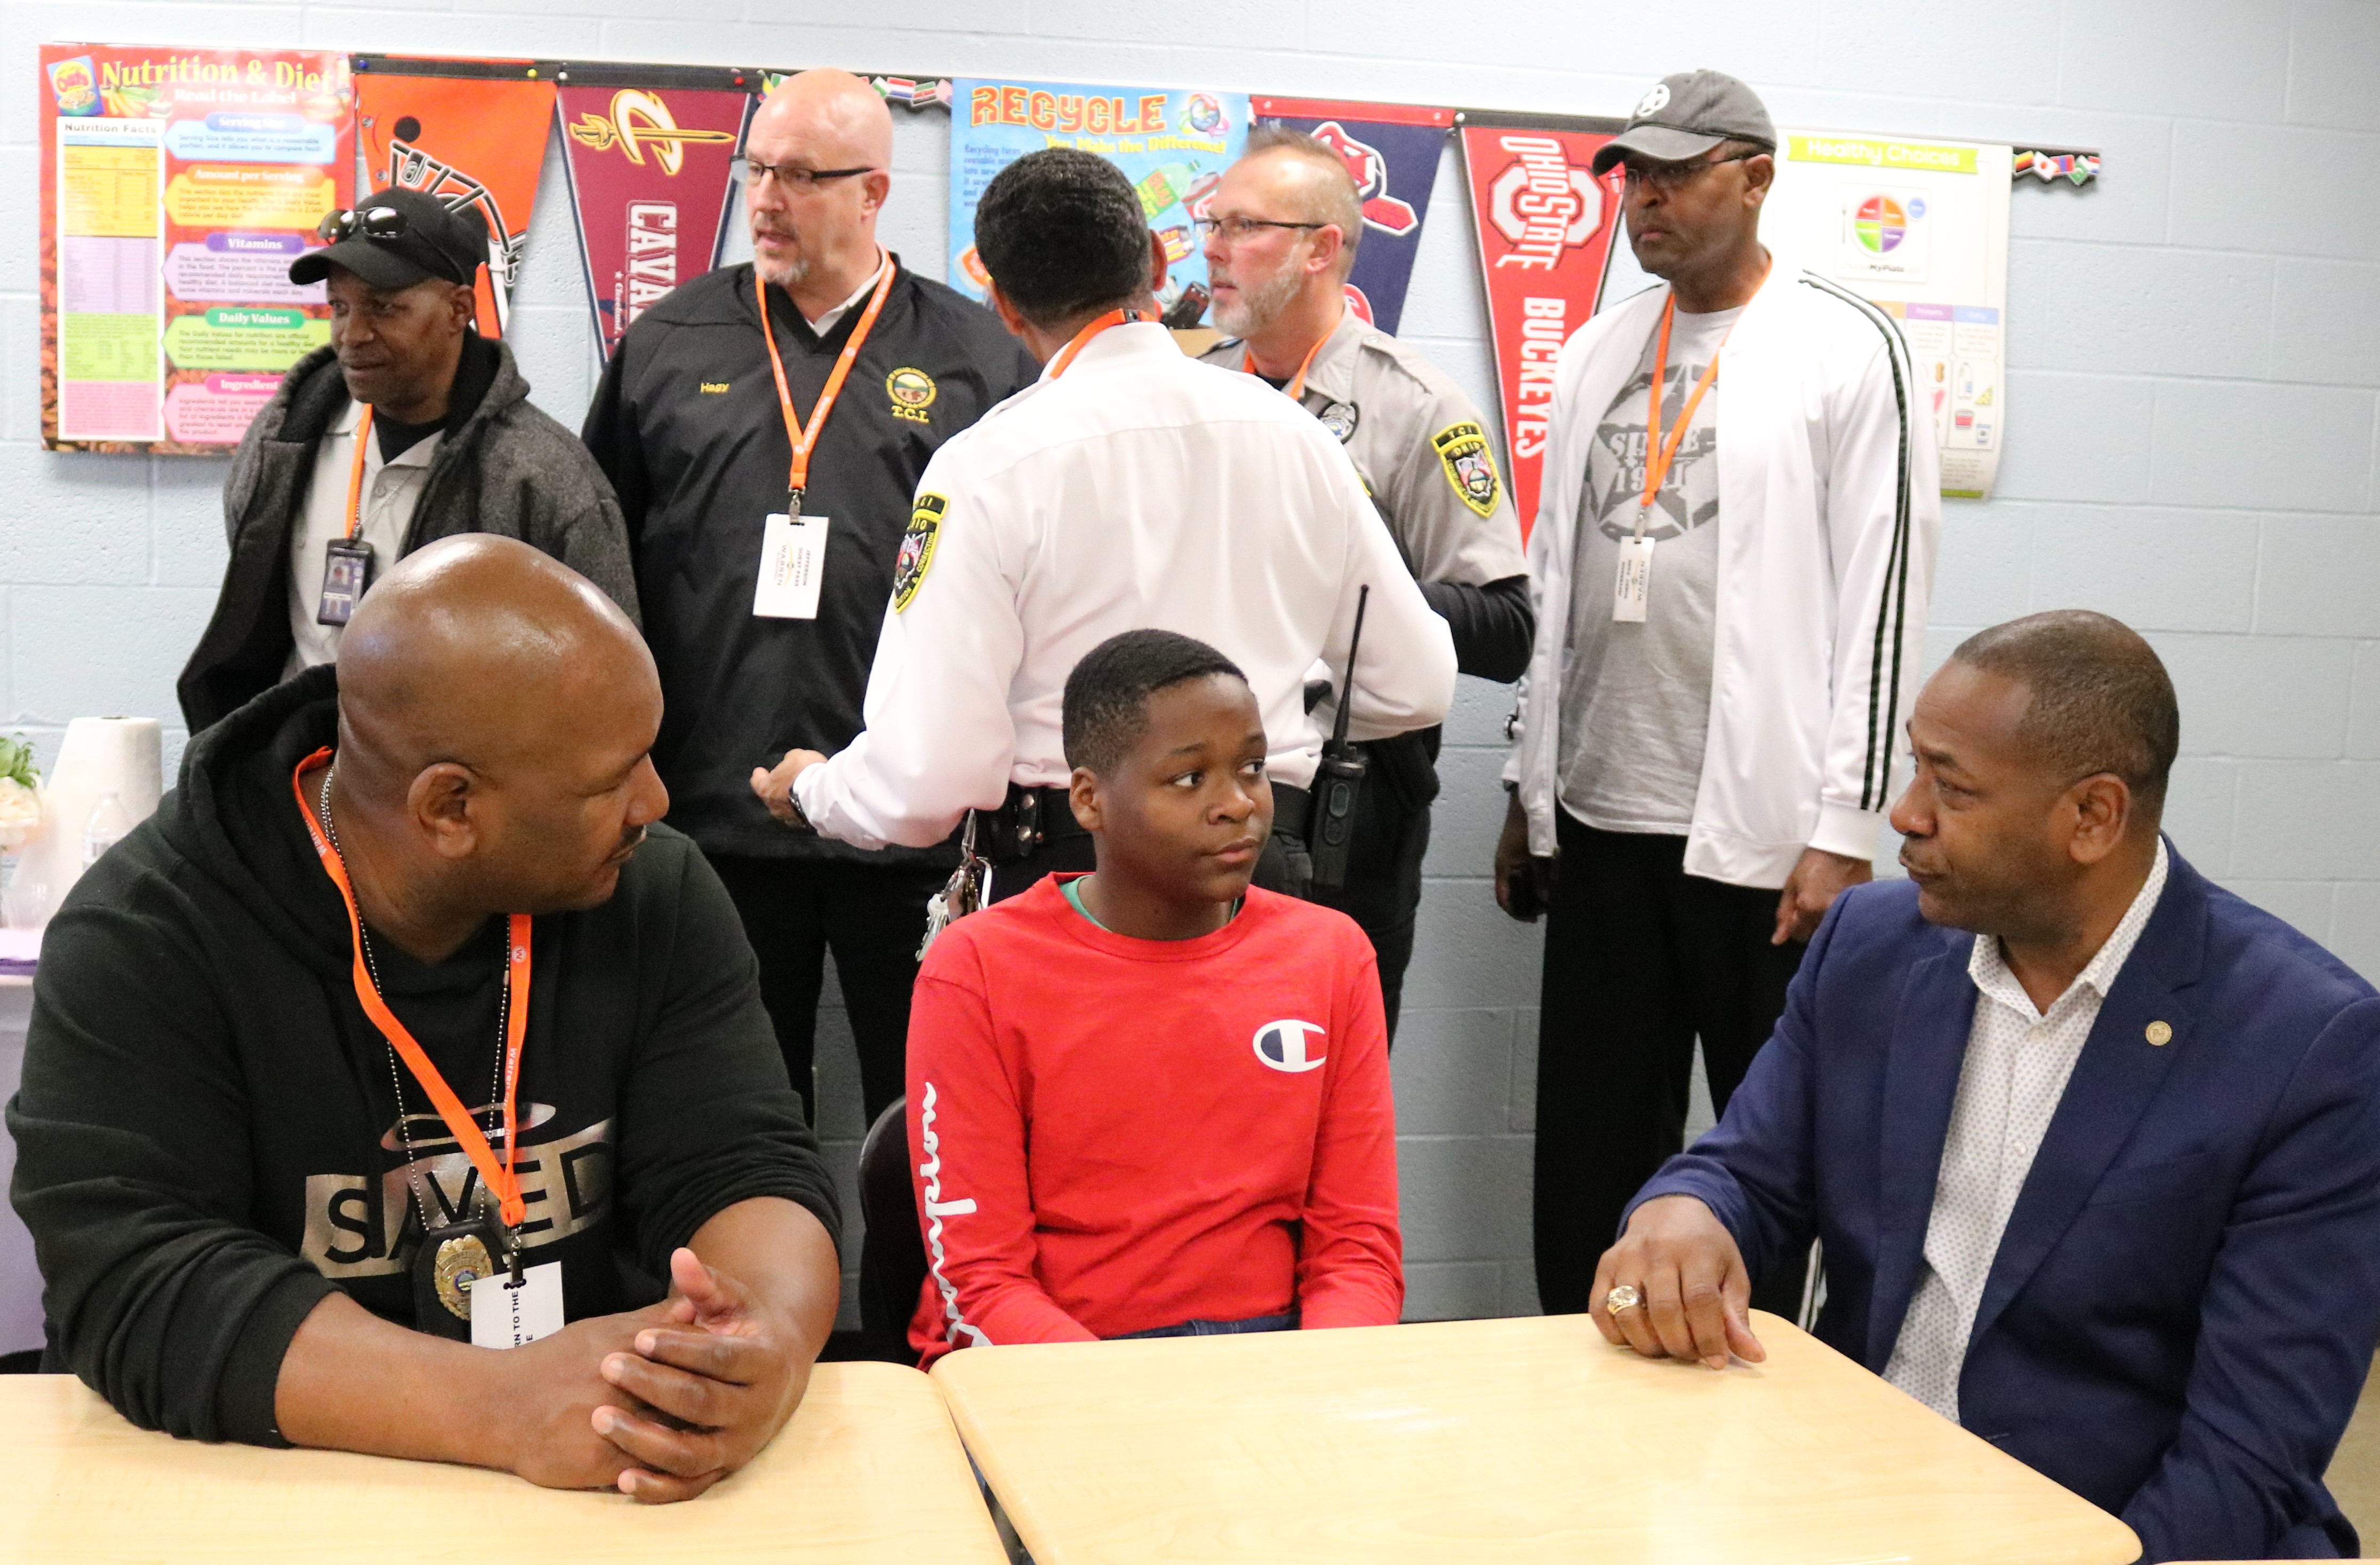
177	187
1172	145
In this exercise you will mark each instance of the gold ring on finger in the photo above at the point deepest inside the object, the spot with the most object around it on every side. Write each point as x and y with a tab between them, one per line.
1624	1297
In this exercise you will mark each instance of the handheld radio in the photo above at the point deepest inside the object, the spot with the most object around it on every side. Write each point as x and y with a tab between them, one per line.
1330	819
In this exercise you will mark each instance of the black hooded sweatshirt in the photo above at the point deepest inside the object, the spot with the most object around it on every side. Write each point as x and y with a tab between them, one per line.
207	1136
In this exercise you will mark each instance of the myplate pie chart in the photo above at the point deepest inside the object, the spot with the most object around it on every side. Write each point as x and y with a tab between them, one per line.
1880	224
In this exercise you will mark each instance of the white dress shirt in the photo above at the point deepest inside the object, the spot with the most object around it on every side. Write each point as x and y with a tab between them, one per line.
391	491
2015	1072
1139	489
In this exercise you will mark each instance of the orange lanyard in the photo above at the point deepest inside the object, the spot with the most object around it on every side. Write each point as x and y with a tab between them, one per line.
356	476
1658	453
499	1178
805	438
1296	388
1082	337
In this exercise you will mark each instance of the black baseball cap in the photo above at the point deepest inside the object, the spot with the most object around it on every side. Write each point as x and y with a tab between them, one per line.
1685	116
394	239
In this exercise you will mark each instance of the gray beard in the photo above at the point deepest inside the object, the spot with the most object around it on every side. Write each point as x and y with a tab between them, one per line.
785	274
1254	308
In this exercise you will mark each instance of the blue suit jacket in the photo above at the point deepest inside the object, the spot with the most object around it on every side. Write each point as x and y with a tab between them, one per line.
2184	1308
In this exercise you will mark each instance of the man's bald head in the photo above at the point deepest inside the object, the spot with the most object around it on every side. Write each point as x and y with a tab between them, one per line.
495	713
817	238
829	112
477	649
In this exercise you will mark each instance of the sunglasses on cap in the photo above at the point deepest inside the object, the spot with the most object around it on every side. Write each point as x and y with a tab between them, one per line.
366	222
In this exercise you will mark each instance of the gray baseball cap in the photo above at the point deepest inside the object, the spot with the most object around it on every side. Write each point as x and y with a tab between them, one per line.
1685	116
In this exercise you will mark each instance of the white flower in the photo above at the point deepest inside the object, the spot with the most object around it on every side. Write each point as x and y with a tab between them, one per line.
20	814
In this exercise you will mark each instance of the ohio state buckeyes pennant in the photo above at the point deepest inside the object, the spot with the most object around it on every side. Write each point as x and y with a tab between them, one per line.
1544	225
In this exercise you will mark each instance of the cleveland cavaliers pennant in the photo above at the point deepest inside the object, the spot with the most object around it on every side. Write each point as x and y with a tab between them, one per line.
652	181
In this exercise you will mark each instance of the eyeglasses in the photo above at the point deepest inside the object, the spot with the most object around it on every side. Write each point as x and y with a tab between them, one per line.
372	222
1669	177
1235	229
795	178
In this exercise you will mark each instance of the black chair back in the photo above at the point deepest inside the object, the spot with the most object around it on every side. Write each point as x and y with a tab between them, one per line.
892	1252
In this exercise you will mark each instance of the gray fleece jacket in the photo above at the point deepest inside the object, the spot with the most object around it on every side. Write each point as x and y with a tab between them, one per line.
504	466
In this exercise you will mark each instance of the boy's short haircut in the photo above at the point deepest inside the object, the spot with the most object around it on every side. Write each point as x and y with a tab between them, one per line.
1106	695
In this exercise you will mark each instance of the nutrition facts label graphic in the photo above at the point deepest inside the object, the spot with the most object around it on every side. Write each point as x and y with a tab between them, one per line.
1921	228
177	187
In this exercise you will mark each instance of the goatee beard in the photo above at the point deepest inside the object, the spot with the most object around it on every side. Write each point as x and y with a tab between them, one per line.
1253	309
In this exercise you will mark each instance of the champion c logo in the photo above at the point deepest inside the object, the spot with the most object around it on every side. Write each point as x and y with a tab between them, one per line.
1293	1046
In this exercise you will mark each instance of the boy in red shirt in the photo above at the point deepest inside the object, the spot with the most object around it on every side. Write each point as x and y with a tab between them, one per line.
1152	1100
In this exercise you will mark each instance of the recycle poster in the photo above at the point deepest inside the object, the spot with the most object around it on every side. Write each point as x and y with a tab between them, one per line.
1544	225
1391	151
469	141
177	186
1172	144
1921	228
653	179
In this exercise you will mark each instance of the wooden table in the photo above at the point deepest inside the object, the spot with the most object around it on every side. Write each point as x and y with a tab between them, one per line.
1501	1440
870	1470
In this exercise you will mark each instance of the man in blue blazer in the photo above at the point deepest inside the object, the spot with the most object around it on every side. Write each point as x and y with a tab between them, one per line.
2101	1178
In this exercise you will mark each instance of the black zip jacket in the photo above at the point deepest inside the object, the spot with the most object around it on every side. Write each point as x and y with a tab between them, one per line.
504	468
687	426
207	1135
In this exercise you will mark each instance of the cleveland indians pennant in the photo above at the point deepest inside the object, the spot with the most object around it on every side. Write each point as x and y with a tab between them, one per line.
652	181
1391	151
1544	225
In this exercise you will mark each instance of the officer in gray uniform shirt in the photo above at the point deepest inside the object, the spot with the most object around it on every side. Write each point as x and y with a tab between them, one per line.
1281	235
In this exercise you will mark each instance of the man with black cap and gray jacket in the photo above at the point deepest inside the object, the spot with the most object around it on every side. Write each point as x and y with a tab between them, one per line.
408	427
1732	558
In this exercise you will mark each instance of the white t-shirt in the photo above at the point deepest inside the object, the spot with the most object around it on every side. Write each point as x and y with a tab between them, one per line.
391	491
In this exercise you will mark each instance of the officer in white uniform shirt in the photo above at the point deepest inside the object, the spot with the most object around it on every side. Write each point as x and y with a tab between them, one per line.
1281	235
1129	487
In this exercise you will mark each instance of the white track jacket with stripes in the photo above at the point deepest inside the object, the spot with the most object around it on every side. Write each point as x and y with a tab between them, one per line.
1829	513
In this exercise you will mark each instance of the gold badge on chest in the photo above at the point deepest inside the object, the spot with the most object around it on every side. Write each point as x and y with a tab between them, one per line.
461	1262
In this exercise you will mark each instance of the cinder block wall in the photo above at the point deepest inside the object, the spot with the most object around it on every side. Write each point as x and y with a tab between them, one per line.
2194	350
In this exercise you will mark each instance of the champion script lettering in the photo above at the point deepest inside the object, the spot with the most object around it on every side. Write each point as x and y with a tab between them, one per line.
930	1176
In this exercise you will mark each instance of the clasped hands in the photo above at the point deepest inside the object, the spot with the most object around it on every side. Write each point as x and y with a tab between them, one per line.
1695	1293
661	1403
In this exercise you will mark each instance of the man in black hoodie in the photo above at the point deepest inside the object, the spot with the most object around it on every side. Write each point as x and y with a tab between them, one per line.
228	1172
408	427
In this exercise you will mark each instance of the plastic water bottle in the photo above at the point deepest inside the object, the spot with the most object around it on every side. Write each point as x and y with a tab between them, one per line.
110	823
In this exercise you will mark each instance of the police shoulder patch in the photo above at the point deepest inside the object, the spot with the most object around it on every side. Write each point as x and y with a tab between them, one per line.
916	556
1470	466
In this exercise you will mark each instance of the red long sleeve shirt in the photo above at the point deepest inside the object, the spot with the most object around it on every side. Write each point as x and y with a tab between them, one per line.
1114	1135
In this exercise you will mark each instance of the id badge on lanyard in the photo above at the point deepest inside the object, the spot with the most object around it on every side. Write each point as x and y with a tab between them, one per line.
1632	583
347	562
793	545
466	1271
